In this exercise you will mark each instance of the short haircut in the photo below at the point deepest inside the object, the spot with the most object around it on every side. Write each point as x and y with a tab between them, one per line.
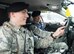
36	13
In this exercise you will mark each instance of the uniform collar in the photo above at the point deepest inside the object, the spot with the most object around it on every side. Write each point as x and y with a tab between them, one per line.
12	26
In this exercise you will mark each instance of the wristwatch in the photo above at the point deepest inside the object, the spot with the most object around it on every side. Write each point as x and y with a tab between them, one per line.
53	36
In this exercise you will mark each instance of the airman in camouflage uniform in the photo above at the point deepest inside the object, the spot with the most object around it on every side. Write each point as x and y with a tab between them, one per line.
14	39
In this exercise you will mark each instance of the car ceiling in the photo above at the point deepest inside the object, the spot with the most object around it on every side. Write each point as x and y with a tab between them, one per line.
35	4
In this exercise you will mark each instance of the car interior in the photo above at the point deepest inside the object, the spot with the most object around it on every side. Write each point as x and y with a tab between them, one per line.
53	14
45	6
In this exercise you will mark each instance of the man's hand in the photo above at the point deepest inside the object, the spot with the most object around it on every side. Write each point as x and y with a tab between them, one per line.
59	32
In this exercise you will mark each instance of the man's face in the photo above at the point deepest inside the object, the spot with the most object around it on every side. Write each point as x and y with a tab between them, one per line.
37	18
21	17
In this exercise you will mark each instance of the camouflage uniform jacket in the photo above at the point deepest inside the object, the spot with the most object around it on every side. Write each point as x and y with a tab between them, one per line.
15	40
44	40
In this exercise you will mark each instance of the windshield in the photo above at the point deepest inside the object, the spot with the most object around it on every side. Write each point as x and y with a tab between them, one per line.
49	17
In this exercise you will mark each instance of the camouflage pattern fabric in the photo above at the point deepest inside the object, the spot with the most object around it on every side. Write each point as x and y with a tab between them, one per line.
13	40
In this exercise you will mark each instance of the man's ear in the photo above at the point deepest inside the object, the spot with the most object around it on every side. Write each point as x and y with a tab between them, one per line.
11	14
